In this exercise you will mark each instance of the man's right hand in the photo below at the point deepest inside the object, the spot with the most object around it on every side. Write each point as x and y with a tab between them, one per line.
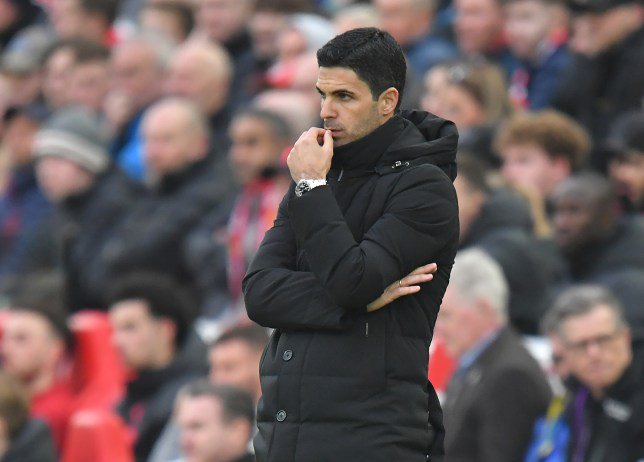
405	286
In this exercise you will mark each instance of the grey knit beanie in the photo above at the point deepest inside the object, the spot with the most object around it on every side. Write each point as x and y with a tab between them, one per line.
74	134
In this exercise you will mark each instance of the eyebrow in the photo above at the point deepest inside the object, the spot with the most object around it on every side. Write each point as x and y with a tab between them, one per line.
336	92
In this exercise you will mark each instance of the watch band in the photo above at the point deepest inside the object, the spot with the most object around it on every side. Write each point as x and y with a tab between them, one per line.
304	186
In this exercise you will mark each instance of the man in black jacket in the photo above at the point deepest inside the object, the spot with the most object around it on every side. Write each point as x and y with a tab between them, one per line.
373	199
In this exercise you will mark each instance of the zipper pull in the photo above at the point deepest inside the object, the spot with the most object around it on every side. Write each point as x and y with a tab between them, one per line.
399	164
366	329
340	175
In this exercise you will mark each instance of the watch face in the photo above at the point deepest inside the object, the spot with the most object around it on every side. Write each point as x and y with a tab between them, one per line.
302	187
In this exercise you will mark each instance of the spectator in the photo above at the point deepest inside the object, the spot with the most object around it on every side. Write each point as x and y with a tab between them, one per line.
224	22
196	69
604	415
21	439
475	99
215	422
89	78
540	150
90	19
355	15
36	352
595	239
185	185
25	214
16	15
498	389
21	64
138	68
499	222
410	23
150	317
234	358
539	41
170	19
259	138
626	165
75	172
479	32
59	64
292	105
606	81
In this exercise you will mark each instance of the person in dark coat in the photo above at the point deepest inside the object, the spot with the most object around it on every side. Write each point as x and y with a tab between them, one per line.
498	390
92	197
344	375
605	412
594	237
499	221
605	79
150	317
185	185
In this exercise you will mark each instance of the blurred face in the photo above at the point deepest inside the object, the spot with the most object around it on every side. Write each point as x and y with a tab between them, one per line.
559	365
67	18
529	167
527	24
60	178
458	324
23	88
8	14
136	74
461	107
193	76
29	345
628	174
404	20
596	349
57	72
348	108
435	83
18	139
265	28
235	363
139	337
254	148
221	20
575	221
170	142
89	84
205	436
479	25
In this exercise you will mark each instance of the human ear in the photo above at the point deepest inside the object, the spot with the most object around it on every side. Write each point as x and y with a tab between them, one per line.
388	101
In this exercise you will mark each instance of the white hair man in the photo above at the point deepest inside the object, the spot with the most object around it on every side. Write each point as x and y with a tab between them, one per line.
498	389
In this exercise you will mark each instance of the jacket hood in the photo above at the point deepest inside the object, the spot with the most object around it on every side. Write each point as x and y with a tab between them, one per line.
425	139
408	139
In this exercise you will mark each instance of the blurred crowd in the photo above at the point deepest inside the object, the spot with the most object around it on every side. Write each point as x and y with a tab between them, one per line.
142	159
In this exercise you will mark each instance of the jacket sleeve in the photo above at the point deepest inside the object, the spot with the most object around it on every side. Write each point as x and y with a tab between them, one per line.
420	218
278	296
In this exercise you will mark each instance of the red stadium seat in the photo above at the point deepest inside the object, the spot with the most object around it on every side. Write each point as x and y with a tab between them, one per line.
441	366
99	374
97	436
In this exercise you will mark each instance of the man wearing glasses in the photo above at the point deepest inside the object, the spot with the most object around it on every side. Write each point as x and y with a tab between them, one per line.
605	412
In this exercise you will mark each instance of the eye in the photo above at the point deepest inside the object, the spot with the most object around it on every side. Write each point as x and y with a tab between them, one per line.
344	96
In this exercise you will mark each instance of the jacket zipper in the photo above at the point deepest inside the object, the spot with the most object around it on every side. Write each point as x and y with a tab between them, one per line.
366	329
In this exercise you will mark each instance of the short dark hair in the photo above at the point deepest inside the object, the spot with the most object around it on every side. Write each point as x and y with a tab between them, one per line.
87	51
372	54
236	403
278	125
43	295
253	335
164	297
474	172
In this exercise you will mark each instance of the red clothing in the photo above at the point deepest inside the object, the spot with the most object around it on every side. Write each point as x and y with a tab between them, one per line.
55	406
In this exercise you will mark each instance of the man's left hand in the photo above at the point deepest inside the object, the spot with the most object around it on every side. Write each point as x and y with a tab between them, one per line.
310	158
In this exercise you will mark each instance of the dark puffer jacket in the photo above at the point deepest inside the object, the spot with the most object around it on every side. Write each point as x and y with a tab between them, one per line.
340	383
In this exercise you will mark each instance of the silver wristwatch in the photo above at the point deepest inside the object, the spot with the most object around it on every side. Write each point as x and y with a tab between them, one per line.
306	185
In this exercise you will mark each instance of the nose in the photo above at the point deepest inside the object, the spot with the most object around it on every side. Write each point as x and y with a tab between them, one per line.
326	110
